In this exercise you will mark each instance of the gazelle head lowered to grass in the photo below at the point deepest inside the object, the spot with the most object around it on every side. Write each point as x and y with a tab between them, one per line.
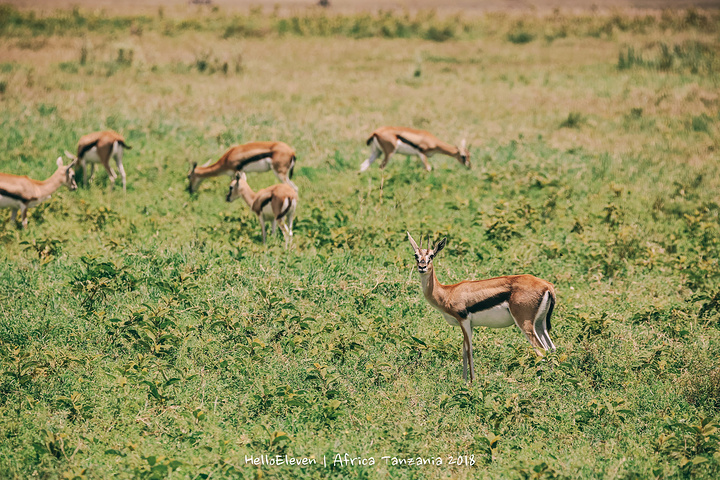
464	154
194	178
424	257
69	173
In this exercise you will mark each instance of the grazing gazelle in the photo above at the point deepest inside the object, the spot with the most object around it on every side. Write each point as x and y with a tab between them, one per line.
276	203
21	192
100	147
249	157
523	300
410	141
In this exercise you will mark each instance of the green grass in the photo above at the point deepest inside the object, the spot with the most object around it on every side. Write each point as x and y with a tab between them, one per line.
151	334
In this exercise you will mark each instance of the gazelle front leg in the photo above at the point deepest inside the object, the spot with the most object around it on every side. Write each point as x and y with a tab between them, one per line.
424	159
86	177
262	227
466	328
23	212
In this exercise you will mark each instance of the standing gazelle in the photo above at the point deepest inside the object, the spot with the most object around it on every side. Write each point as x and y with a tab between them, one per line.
250	157
410	141
100	147
276	203
21	192
500	302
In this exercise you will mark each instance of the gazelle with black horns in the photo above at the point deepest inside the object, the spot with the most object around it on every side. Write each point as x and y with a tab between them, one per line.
249	157
411	141
500	302
100	147
276	203
21	192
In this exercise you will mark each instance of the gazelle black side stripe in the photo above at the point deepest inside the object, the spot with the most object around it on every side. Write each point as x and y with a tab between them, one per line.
284	212
14	196
252	159
486	304
265	202
85	148
405	140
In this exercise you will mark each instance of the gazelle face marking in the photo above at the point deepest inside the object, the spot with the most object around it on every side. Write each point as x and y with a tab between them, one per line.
193	181
234	192
70	179
424	257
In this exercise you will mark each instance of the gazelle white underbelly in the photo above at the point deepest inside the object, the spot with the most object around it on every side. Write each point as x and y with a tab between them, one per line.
498	316
9	202
405	149
93	156
259	166
39	200
268	213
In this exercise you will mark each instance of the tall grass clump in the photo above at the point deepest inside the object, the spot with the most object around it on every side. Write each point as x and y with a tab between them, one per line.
694	57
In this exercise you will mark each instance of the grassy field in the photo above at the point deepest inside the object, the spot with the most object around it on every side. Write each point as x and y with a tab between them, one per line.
151	335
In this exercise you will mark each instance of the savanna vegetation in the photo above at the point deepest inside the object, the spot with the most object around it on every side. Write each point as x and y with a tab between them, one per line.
151	335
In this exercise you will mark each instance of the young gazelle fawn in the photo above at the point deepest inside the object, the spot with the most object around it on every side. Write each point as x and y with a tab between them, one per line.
21	192
250	157
276	203
101	147
410	141
500	302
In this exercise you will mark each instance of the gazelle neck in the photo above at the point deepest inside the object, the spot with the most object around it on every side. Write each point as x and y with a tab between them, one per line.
213	170
47	187
433	290
448	149
247	194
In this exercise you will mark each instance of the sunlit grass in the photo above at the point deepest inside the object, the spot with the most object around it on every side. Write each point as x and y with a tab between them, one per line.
152	334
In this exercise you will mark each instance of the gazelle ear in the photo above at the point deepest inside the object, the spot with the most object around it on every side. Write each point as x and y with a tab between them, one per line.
439	246
412	242
70	155
59	162
243	176
463	144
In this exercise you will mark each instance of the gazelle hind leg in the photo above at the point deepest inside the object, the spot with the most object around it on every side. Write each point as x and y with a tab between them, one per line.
118	161
286	233
371	159
111	173
540	323
526	323
284	178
